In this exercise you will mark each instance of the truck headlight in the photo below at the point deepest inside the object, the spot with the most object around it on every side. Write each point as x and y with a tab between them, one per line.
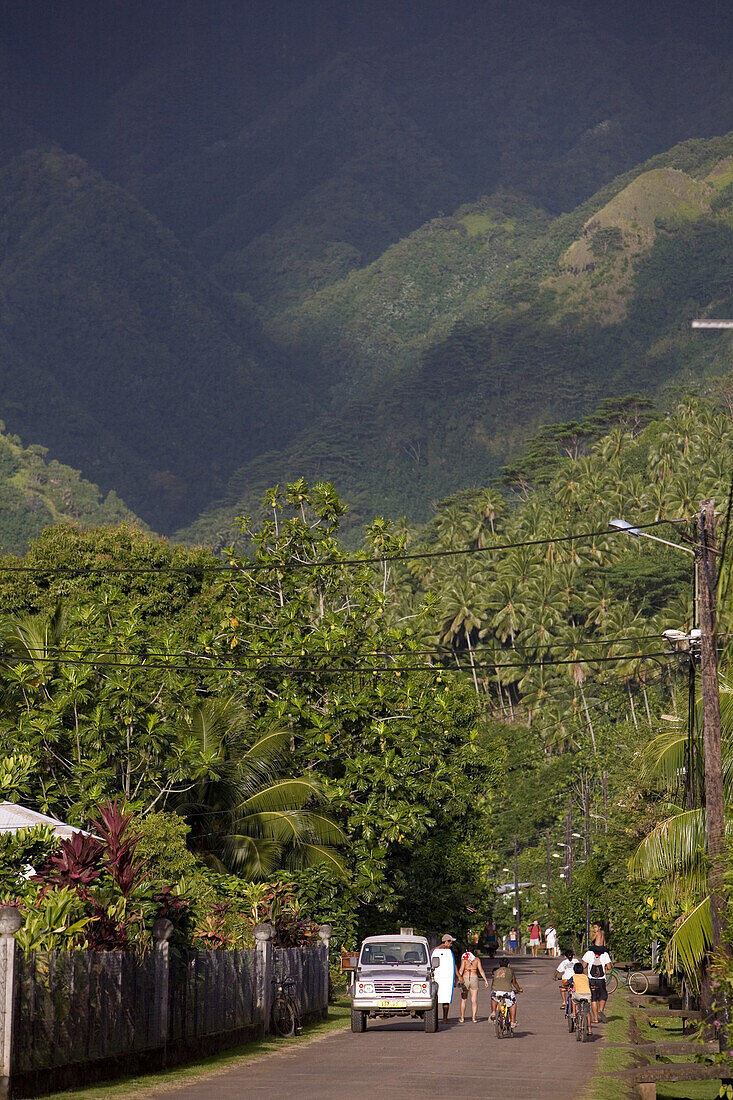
419	987
365	987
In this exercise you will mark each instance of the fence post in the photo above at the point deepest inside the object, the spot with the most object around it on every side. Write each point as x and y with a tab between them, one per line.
264	935
162	932
10	922
325	933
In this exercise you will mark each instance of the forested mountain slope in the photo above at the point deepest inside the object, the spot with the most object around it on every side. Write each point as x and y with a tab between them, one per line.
36	491
118	350
459	342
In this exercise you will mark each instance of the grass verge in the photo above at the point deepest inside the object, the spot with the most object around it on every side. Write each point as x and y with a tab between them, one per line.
150	1084
611	1058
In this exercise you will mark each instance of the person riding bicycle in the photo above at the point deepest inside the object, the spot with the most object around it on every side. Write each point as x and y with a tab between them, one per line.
564	973
597	963
579	988
504	985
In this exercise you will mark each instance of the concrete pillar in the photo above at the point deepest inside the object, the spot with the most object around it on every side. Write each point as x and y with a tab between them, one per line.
10	922
325	933
264	936
162	932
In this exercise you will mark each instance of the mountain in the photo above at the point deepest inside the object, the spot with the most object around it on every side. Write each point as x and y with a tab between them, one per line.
461	341
119	351
36	492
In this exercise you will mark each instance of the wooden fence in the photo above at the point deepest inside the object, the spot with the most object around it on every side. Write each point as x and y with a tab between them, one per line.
70	1017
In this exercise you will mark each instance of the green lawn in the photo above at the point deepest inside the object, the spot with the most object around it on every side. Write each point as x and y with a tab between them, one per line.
140	1087
611	1058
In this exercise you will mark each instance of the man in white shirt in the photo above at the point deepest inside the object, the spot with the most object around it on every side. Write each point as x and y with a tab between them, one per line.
564	973
597	963
551	941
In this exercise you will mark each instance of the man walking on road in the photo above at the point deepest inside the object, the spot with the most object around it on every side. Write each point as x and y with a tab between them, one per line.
597	963
534	932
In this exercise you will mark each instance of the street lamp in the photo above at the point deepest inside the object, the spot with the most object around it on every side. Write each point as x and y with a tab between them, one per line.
629	529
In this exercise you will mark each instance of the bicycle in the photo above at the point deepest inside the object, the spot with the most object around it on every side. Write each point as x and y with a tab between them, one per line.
285	1014
502	1023
636	980
582	1021
569	1018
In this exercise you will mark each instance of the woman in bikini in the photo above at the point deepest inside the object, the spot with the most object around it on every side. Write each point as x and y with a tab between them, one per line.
468	976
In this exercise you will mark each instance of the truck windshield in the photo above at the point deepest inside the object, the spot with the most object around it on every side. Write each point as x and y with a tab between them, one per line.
403	951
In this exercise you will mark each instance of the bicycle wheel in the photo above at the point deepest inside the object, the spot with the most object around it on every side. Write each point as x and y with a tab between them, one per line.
581	1024
497	1025
283	1018
571	1022
638	983
612	982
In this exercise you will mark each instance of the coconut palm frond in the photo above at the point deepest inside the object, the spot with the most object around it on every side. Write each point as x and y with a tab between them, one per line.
691	940
285	794
251	857
664	756
673	845
305	854
683	890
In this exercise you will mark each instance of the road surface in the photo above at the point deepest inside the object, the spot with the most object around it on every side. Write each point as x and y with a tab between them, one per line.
397	1059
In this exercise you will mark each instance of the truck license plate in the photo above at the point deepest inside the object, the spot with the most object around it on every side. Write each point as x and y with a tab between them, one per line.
393	1004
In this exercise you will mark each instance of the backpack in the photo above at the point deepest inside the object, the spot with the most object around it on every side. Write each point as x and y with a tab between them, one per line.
597	970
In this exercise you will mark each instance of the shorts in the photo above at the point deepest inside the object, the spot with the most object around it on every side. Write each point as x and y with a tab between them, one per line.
513	944
598	991
510	998
470	982
581	997
534	943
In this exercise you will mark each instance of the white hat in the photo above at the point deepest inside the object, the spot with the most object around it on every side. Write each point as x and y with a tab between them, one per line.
448	938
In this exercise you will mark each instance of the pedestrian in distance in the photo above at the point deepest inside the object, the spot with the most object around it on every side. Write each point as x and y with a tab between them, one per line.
444	965
468	976
597	963
490	938
534	933
513	940
597	936
551	941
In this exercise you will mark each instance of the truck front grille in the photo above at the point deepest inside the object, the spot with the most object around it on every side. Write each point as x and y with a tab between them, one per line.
392	987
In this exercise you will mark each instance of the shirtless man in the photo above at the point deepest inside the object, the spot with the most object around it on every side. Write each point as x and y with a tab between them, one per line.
504	981
468	977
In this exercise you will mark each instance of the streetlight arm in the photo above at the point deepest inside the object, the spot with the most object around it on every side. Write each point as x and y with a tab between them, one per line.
629	529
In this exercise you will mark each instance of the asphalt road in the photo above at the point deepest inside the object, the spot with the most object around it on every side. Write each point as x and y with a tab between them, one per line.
397	1059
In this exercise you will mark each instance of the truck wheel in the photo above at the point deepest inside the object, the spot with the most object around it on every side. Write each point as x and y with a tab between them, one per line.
430	1018
358	1021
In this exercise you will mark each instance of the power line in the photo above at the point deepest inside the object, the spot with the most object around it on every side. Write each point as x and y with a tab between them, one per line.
334	563
262	665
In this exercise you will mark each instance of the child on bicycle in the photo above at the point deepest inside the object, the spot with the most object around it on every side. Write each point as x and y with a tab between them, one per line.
564	973
504	984
579	989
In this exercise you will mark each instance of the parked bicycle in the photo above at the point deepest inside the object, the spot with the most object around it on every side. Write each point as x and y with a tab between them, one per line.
285	1013
636	980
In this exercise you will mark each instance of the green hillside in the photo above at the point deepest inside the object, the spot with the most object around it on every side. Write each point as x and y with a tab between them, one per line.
118	350
36	492
457	344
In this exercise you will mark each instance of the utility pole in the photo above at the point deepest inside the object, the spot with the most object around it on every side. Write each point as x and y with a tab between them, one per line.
714	813
586	807
605	801
549	868
517	903
568	844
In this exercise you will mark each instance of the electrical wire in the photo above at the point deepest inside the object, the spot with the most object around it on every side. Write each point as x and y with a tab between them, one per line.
336	563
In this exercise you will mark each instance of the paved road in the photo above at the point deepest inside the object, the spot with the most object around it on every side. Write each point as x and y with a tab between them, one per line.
397	1059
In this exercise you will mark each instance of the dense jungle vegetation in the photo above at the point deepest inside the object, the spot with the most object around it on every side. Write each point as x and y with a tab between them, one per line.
364	738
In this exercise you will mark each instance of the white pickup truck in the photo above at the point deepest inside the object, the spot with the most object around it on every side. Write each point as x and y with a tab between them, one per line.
393	977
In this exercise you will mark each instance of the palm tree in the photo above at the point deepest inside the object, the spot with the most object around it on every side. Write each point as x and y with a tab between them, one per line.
246	813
